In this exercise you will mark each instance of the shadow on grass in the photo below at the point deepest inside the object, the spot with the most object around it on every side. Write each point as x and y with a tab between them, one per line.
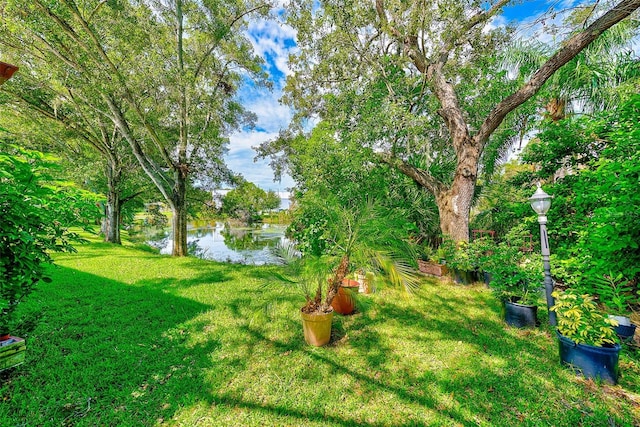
106	353
429	389
111	350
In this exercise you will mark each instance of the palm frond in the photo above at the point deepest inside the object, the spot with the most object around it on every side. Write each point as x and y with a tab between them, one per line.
399	271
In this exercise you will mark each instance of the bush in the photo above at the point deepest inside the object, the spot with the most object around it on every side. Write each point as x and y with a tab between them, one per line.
513	272
36	212
580	320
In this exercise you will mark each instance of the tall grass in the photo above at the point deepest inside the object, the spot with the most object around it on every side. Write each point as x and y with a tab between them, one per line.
124	337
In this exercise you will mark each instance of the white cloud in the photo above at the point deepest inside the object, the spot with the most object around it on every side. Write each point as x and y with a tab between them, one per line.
241	159
243	141
273	40
272	115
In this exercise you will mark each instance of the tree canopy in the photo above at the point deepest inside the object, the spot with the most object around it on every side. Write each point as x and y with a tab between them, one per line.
422	85
164	73
247	201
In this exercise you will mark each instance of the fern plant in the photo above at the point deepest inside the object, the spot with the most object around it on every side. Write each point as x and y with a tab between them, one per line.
615	293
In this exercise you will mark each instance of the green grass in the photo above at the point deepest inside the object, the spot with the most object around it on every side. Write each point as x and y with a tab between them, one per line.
124	337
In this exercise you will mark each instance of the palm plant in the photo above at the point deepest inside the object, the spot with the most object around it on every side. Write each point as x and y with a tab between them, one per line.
365	237
592	80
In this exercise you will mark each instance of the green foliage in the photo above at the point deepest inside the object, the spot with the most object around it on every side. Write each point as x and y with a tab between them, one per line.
328	161
154	216
615	293
308	226
594	216
36	212
447	249
503	201
513	272
461	258
580	320
247	201
366	238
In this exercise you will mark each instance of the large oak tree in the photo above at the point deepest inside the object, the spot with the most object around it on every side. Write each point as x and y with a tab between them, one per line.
420	84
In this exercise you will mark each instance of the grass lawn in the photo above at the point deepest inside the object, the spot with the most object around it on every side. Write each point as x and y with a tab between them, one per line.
124	337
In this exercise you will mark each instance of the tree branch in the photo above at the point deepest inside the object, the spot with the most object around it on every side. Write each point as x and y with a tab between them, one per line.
48	112
421	177
217	41
410	43
568	51
155	173
115	72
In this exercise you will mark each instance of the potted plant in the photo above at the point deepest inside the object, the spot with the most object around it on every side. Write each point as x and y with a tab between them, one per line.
365	236
345	300
587	341
616	295
432	262
459	261
482	249
438	263
516	279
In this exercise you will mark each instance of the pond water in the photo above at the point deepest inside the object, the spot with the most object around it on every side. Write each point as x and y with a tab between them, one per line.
220	242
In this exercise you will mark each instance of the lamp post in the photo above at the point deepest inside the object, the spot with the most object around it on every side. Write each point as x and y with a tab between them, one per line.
541	202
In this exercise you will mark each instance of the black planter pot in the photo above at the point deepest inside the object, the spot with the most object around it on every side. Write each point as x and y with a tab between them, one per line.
590	361
625	332
520	315
487	277
462	277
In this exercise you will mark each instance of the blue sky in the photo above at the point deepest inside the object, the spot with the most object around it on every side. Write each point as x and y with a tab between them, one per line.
274	41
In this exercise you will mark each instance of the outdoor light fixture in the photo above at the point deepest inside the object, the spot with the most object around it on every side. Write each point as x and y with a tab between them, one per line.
541	202
6	71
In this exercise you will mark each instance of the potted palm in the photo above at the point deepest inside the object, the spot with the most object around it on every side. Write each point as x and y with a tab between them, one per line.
587	342
366	236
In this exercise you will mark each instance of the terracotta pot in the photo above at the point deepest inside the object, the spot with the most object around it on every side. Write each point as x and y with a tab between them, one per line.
6	71
432	268
344	301
317	328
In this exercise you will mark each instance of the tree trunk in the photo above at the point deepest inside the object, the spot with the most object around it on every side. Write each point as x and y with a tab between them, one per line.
179	221
336	281
113	208
454	203
454	206
112	215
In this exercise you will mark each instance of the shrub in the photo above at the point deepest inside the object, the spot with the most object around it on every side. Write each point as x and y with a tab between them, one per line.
36	212
580	320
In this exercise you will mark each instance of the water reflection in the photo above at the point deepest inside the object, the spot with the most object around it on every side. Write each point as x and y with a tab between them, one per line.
220	242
